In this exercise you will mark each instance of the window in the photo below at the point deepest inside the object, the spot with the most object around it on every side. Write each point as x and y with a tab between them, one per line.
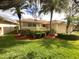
31	25
44	25
24	24
0	29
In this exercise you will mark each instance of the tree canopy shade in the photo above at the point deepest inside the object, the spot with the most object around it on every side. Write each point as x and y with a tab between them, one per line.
6	4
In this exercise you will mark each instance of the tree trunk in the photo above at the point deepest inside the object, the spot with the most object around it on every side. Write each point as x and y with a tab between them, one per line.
19	16
76	27
19	24
51	14
67	27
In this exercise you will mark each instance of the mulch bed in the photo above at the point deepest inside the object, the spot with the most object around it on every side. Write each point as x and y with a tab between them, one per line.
25	37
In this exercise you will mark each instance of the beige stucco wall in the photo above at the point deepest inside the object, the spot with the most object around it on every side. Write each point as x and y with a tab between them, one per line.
8	29
1	31
24	24
61	28
38	26
58	27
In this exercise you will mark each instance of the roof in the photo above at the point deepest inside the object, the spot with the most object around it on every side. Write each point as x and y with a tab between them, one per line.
35	21
58	21
42	21
6	21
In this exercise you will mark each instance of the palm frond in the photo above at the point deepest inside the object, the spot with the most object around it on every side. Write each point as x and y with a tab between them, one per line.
6	4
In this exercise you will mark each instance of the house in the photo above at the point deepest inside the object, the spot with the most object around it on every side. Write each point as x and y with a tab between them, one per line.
6	26
42	25
34	25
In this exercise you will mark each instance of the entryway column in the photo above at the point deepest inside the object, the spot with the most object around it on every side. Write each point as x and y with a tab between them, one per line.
2	31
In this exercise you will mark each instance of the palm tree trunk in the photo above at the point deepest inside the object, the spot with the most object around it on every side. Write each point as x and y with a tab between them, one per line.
19	16
19	24
51	14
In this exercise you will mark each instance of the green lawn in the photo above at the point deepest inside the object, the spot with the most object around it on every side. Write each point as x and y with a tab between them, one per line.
10	48
76	33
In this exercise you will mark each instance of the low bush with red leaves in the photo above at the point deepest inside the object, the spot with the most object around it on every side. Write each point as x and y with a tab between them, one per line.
51	36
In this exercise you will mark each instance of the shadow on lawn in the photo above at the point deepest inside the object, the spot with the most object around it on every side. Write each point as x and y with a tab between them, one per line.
2	50
71	37
34	55
9	41
49	43
30	55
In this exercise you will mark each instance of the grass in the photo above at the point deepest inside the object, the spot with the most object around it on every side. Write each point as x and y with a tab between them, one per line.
10	48
76	33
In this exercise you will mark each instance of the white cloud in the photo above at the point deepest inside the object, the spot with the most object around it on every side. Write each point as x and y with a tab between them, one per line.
56	16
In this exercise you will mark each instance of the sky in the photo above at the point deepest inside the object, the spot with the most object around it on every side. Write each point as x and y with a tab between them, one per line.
8	14
56	16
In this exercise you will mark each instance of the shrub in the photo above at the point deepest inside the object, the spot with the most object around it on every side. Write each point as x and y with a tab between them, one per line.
52	32
31	34
25	32
38	34
68	37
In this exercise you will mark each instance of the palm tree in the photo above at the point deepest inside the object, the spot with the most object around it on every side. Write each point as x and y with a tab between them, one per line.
51	6
26	6
19	14
6	4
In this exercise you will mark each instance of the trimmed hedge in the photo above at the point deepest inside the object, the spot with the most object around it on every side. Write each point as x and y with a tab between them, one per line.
68	37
